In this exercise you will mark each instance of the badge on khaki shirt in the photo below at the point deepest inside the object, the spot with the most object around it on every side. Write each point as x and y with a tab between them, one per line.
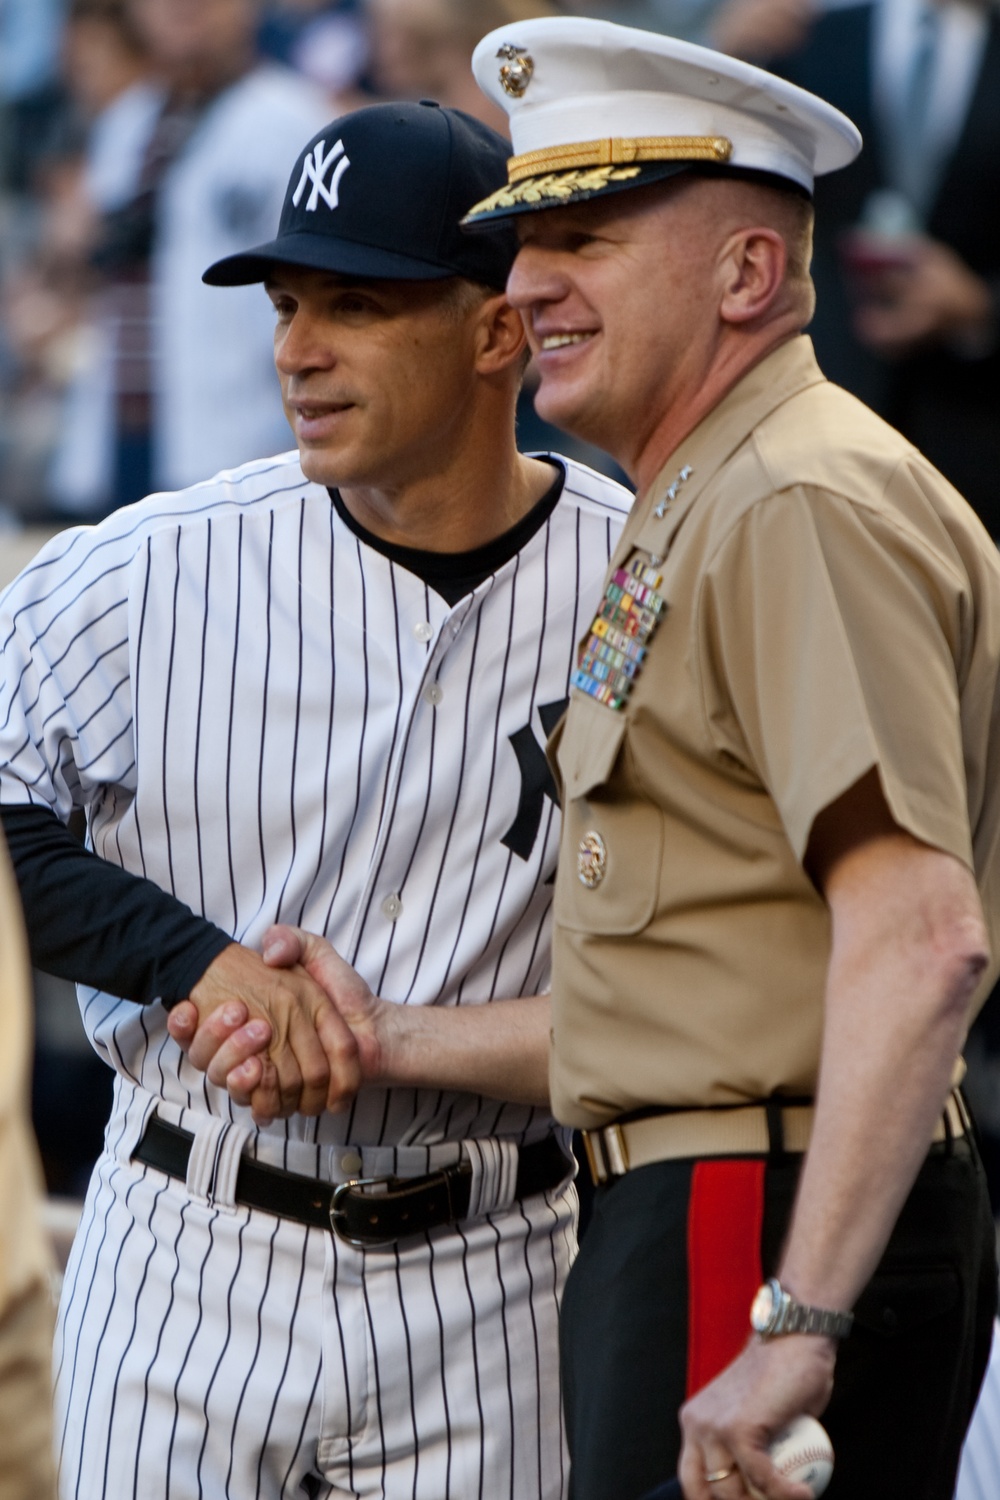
612	655
591	860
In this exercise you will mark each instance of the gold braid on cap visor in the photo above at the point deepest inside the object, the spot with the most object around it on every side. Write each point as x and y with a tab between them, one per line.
587	166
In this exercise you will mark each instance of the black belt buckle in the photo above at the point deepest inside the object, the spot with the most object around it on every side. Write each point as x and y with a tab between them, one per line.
338	1214
411	1205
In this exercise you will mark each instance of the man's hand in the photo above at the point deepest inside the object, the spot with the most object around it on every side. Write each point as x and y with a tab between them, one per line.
299	1053
731	1422
498	1049
933	298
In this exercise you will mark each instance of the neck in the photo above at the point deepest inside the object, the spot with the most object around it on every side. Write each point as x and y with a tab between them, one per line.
699	395
466	504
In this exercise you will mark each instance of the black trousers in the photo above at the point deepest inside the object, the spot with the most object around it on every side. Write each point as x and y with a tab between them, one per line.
907	1376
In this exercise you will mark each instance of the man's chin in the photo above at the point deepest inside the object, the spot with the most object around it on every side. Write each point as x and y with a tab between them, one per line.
322	468
565	410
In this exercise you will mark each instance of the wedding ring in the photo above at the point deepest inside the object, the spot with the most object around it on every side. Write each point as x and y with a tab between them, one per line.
718	1475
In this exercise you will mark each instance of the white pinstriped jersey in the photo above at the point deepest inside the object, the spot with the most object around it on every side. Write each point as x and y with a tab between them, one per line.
270	719
273	721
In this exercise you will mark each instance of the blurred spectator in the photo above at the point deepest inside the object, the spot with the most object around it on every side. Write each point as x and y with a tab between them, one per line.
107	69
421	49
30	96
179	381
907	257
26	1466
42	290
752	29
40	337
688	19
325	40
757	30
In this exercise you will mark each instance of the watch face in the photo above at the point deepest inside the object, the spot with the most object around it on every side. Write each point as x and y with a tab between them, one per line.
762	1308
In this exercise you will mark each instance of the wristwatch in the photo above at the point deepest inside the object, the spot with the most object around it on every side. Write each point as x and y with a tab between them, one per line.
776	1311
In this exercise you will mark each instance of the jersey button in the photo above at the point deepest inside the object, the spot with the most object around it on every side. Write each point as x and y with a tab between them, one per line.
424	630
433	693
391	907
351	1163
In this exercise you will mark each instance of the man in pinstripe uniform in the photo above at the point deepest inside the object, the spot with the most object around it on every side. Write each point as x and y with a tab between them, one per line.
314	689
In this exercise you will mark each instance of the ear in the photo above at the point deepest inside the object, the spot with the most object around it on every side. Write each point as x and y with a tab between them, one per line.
753	273
500	336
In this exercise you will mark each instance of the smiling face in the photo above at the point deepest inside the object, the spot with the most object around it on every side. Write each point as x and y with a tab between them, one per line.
377	377
621	308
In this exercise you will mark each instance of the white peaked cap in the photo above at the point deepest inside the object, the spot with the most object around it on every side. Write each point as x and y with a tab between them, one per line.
595	107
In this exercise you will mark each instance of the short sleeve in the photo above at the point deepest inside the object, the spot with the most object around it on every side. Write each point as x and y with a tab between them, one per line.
827	640
65	691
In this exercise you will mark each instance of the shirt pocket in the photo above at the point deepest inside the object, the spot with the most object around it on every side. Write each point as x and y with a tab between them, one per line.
608	831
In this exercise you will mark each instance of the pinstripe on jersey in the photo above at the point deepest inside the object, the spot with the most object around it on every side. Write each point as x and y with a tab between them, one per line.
273	721
209	1352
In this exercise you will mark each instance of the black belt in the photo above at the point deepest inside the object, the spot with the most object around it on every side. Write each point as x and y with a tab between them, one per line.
408	1205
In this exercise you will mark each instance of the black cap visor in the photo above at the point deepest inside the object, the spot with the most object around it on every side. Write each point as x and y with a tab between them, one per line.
321	252
557	189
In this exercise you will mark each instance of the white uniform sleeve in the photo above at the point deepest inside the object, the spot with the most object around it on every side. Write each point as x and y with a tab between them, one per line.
65	689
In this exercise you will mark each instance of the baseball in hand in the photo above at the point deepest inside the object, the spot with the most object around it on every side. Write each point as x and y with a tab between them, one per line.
802	1452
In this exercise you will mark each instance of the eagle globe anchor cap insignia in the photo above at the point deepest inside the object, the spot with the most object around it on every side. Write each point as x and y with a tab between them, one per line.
515	75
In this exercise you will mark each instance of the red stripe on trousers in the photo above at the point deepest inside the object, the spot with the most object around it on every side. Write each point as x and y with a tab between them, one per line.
725	1216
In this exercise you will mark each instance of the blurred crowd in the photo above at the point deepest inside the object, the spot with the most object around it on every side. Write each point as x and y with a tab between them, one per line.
142	139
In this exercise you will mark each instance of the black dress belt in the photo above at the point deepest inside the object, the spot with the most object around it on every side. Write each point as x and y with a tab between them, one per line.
365	1219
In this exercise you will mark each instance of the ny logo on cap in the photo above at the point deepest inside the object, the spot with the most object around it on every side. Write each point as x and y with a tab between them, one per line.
314	169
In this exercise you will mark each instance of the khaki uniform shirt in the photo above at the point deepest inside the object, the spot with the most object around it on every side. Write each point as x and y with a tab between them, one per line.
826	604
24	1257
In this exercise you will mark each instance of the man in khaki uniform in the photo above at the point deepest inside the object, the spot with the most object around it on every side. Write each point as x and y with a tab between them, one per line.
782	804
26	1467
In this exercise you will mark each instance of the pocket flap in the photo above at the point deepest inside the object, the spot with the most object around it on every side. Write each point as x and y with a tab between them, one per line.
898	1301
588	748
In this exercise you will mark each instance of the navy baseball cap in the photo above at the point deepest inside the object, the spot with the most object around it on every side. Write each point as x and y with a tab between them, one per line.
379	193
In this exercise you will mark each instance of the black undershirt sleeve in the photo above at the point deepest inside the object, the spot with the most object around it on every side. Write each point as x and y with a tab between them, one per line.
94	923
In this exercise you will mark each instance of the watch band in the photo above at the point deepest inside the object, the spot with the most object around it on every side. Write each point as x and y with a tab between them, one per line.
797	1318
776	1312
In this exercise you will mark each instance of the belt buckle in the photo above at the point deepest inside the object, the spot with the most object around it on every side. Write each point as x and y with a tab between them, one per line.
339	1214
607	1152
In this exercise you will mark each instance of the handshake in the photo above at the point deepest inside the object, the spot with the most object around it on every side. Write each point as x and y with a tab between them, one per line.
295	1030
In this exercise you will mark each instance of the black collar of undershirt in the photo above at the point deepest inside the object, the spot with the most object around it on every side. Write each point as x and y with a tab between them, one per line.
455	574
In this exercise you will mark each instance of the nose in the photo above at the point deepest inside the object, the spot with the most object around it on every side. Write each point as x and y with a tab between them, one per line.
299	345
535	279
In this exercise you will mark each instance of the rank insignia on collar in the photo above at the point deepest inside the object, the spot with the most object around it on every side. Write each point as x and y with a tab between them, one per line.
515	74
611	657
671	494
